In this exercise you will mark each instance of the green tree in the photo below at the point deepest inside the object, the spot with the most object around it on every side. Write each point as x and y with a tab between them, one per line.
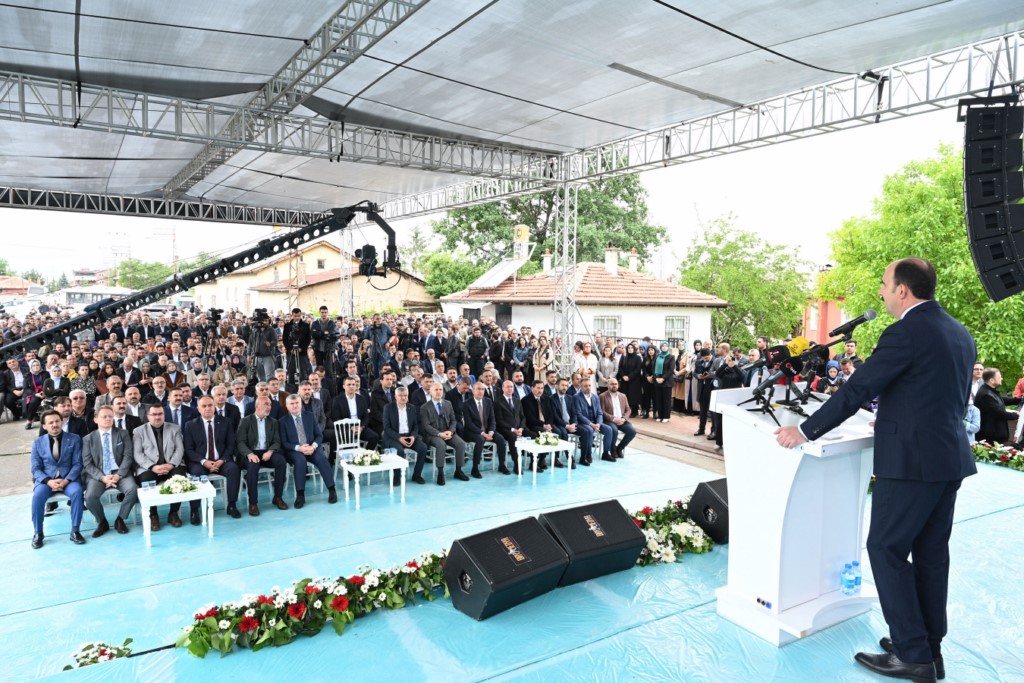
921	213
613	211
416	251
5	268
447	273
56	284
764	283
136	274
33	275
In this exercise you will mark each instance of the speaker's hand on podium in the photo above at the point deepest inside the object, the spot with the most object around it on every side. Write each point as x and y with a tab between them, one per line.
790	437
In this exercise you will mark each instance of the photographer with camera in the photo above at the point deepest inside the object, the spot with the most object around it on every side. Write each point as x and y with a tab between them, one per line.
263	344
296	339
378	333
325	337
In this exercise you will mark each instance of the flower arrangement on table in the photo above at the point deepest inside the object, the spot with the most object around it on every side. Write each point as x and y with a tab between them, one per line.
96	653
547	439
365	458
670	532
279	616
178	484
998	454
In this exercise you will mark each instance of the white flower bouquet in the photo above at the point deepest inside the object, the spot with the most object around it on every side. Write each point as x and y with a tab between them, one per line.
177	484
547	439
366	458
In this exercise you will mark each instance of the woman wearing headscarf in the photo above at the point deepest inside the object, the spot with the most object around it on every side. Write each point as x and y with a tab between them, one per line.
830	383
647	400
34	391
630	378
664	369
174	376
692	384
679	379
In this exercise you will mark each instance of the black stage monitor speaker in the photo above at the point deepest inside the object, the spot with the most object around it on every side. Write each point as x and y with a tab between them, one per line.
599	538
489	572
709	508
993	184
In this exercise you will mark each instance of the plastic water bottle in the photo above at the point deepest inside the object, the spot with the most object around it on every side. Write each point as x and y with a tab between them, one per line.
857	577
848	584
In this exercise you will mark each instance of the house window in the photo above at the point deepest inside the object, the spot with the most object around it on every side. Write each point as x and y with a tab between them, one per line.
677	328
608	325
321	264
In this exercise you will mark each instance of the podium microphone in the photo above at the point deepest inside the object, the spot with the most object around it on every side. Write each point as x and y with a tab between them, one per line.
769	381
847	327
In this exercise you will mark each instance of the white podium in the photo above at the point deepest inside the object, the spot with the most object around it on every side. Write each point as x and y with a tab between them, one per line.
795	518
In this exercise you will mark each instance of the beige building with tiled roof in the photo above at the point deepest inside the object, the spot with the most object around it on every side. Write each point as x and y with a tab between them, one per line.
610	299
265	285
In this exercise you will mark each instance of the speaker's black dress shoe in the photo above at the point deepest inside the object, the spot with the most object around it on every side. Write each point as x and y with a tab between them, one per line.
475	473
120	527
607	457
461	476
233	512
418	479
888	664
195	518
619	453
698	433
37	541
103	528
300	500
77	538
332	495
940	667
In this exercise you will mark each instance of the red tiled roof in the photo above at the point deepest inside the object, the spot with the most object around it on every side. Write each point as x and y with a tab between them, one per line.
594	285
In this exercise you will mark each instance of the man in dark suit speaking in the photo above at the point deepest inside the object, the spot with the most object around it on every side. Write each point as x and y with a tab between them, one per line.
920	372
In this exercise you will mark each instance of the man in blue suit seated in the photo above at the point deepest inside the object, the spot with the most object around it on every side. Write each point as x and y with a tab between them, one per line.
589	414
920	371
56	468
177	411
402	430
216	455
303	443
564	415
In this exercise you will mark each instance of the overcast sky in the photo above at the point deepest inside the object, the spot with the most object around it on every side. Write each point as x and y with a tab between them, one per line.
792	193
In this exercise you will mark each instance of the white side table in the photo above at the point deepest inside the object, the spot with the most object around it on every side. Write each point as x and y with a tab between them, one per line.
531	447
151	497
388	463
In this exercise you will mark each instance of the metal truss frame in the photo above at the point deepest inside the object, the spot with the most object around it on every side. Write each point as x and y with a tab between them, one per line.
154	207
352	30
566	213
346	291
49	101
912	87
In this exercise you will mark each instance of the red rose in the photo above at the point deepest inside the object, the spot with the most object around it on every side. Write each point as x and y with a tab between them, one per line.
413	564
339	603
248	624
637	522
296	610
103	652
1003	458
264	600
647	510
206	615
312	590
356	580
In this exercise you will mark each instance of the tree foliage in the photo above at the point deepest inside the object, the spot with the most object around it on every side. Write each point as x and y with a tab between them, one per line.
447	273
763	283
921	213
416	251
5	267
612	210
58	283
138	274
33	275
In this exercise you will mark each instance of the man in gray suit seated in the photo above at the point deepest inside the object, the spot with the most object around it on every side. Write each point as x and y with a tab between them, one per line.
437	426
108	458
159	450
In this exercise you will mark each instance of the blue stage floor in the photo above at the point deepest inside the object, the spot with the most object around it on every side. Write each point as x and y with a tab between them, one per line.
646	624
